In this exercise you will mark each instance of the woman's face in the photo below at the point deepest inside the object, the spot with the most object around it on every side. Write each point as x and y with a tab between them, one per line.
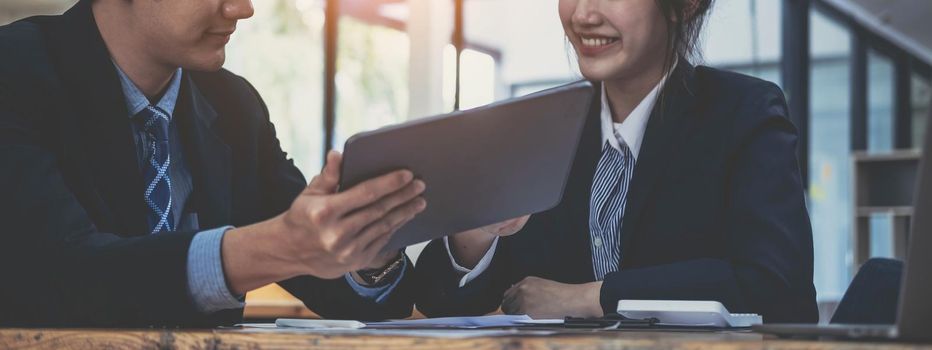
615	39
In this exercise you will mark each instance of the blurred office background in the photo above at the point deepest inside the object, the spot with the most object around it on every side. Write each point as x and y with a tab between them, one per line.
856	73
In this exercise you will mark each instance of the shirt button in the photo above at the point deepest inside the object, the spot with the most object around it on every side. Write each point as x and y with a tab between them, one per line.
597	241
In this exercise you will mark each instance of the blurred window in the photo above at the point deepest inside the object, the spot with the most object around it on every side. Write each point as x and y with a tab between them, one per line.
280	52
829	192
372	78
744	36
879	102
920	101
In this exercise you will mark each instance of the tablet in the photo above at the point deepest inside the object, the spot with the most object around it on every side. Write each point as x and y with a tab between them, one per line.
481	166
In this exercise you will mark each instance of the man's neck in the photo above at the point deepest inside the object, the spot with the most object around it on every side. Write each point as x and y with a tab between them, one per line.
128	50
625	94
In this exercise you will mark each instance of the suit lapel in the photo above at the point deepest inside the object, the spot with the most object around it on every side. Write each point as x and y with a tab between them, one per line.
90	80
668	120
208	157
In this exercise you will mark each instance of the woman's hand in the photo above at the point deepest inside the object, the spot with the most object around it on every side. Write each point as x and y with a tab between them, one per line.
541	298
506	228
468	247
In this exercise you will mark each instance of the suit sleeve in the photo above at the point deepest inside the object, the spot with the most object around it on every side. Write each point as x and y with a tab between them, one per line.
54	256
438	291
282	182
768	269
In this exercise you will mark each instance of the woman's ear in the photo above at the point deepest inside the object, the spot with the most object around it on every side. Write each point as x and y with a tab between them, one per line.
687	11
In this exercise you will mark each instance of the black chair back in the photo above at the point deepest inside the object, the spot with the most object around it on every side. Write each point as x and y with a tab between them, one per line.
873	295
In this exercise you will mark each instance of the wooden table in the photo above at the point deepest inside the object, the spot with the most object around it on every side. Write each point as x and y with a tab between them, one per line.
239	339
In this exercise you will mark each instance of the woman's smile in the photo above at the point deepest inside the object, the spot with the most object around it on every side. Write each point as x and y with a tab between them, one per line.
594	45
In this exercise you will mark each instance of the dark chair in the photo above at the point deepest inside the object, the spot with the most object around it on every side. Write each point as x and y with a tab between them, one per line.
873	295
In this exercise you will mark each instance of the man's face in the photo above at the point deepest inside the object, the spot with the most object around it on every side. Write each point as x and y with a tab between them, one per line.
188	33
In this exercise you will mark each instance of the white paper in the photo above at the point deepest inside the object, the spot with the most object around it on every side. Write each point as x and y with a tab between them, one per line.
455	333
315	323
456	322
424	333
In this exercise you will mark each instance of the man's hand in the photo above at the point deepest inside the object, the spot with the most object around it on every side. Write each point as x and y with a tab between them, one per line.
335	233
324	234
541	298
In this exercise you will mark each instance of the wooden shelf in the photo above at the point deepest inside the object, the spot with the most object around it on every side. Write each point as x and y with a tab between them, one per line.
896	211
883	183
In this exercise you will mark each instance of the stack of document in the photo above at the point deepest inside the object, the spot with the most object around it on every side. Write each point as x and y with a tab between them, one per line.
660	313
475	322
494	321
446	327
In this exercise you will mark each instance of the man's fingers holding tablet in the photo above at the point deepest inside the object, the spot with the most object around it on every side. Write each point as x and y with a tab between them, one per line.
329	178
385	206
391	222
371	191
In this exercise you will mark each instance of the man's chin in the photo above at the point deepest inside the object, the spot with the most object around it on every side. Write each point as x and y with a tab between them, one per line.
208	63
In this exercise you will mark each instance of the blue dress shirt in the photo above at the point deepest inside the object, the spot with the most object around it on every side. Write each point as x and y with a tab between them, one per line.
206	281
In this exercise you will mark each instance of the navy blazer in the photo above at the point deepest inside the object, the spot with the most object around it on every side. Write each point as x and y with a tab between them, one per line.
74	250
715	211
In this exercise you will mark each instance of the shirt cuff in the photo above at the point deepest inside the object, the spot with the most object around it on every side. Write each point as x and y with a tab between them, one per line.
481	266
207	284
378	294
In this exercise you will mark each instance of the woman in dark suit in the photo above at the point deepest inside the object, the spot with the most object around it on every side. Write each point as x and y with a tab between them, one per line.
686	186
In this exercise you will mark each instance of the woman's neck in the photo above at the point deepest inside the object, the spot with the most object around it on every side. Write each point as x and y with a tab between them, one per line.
624	94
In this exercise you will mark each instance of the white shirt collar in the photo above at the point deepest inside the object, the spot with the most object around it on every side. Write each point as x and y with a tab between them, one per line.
631	130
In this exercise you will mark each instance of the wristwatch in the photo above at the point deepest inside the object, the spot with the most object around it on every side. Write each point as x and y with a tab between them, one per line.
379	276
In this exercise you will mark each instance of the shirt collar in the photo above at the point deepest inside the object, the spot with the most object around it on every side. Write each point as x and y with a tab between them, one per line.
631	130
136	101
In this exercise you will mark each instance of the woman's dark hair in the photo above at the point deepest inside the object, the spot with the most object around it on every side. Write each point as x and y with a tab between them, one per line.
684	25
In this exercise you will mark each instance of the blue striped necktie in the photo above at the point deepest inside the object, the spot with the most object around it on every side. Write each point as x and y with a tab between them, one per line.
158	191
607	206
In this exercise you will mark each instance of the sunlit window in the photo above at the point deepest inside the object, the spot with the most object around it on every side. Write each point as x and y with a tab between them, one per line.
477	86
280	51
530	52
372	78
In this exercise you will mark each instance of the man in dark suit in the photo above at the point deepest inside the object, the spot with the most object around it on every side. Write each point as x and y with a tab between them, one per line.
715	211
144	185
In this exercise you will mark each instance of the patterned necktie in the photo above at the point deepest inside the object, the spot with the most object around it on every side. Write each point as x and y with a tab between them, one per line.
158	191
607	206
